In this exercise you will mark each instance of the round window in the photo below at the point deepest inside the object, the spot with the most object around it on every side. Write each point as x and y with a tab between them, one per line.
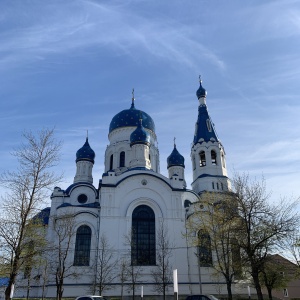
82	198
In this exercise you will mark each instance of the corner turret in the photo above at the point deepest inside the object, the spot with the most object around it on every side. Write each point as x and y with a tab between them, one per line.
85	158
176	167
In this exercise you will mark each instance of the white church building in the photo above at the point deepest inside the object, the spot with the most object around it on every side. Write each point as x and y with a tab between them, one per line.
130	203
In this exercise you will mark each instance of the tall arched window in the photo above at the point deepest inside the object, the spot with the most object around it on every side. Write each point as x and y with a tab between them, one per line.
213	157
202	159
204	249
122	159
83	246
143	237
111	162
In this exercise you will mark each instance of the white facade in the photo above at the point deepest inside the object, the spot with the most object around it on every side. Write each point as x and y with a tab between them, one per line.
132	179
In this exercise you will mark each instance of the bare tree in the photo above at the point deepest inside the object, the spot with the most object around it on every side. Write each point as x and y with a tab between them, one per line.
27	189
162	274
216	215
132	271
262	227
123	275
293	246
106	266
60	259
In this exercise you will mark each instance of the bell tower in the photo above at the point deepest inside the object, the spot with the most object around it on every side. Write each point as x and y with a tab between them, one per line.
207	153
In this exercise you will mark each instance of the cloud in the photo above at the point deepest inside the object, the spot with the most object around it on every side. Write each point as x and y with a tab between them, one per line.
84	24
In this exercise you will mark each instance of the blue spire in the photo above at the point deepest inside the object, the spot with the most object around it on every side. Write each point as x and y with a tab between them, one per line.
204	127
175	158
85	152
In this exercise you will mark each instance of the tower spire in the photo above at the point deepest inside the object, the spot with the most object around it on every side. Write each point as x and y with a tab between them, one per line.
207	152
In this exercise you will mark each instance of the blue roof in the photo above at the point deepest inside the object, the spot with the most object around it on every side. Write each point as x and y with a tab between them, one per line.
85	153
43	216
204	127
140	135
175	158
68	190
130	118
4	281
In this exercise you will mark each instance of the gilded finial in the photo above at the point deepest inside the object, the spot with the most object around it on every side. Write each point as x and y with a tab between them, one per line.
175	142
200	80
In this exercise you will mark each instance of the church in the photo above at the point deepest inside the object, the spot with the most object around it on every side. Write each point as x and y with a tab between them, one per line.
131	203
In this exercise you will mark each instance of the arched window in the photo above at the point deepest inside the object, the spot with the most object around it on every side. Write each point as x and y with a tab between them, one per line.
122	159
204	249
202	159
187	203
83	246
213	157
111	162
143	237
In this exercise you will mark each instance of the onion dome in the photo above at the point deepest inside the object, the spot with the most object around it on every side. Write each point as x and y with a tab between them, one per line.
175	158
85	153
130	118
201	92
140	135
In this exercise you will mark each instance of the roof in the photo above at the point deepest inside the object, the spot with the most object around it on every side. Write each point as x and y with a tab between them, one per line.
140	135
4	281
175	158
85	152
43	216
130	118
204	127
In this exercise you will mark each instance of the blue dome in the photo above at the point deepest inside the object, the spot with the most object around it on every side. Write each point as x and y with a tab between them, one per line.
130	118
201	92
175	159
85	152
140	135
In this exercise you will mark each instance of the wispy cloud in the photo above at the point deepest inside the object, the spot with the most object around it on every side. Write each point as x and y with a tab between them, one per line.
91	24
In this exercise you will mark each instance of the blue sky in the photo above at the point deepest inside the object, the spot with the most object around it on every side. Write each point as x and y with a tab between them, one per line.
72	65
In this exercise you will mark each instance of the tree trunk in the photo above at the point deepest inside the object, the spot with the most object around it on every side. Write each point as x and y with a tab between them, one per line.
269	292
28	286
8	290
257	285
12	280
229	291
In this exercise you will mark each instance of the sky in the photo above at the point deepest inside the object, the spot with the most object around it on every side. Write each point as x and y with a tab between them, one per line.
71	65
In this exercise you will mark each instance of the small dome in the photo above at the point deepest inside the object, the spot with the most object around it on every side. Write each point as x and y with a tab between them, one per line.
201	92
85	152
140	135
130	118
175	159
